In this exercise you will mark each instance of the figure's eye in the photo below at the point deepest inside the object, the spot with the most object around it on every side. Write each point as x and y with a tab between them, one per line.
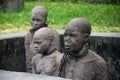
71	35
33	19
35	42
38	42
38	20
74	35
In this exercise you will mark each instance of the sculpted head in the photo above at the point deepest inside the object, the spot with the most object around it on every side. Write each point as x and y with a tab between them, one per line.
76	35
38	17
43	40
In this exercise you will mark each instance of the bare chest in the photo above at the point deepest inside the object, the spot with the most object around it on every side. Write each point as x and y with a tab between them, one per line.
79	70
46	65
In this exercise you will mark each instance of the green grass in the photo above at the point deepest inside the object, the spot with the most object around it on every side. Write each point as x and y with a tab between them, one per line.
103	17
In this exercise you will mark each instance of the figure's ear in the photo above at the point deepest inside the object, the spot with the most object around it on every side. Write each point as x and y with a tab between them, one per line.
86	36
50	41
45	19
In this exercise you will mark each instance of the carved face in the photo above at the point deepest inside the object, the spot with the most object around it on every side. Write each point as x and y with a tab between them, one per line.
41	45
37	20
73	40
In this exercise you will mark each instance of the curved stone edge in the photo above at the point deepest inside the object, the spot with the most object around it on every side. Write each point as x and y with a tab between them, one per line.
10	75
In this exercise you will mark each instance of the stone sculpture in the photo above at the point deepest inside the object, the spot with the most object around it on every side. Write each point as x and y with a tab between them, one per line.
48	58
79	62
38	20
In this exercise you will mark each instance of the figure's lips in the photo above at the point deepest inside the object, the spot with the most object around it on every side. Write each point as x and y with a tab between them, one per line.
37	50
67	47
35	26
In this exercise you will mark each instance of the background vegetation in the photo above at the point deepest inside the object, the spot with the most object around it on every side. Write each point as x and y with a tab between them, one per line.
103	17
77	1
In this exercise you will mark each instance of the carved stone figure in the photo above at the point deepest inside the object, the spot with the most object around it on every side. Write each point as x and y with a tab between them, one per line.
79	62
48	58
38	20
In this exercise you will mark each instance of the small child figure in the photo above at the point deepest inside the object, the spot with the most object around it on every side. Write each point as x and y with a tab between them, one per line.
48	58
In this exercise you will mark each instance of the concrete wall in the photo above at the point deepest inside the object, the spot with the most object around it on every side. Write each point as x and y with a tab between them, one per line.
107	45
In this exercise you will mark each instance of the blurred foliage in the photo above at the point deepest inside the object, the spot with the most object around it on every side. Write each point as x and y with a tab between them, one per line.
103	17
77	1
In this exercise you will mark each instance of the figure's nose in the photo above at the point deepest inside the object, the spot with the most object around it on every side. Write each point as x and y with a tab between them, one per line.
35	46
35	22
67	38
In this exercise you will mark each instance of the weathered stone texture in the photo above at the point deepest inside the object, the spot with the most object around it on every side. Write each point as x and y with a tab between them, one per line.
8	75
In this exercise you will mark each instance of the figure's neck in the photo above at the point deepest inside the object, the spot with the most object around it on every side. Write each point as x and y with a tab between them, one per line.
81	52
49	52
33	30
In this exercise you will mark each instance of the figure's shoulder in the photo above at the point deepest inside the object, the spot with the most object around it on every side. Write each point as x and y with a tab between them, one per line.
98	59
58	55
28	37
36	58
28	34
